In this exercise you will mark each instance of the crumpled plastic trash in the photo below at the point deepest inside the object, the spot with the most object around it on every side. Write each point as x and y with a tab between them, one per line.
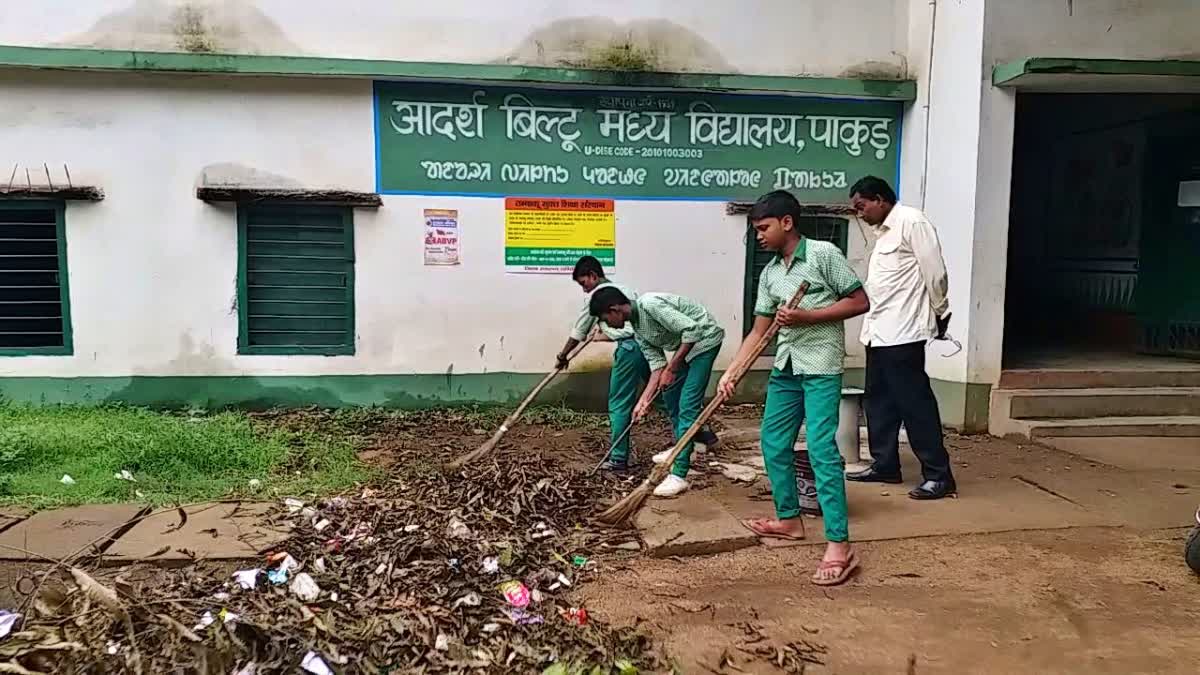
278	577
321	524
579	561
8	620
491	565
442	643
124	474
285	560
66	480
516	593
457	529
293	505
411	528
576	615
319	565
305	588
523	618
312	663
247	579
205	621
491	627
254	485
470	600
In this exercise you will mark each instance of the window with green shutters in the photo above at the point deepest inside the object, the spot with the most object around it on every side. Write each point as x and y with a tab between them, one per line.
833	229
295	279
35	315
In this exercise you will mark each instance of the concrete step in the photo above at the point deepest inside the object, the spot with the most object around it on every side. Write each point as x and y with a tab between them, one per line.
1185	374
1158	425
1097	402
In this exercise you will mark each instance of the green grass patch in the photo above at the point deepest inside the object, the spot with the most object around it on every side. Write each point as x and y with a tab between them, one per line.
173	457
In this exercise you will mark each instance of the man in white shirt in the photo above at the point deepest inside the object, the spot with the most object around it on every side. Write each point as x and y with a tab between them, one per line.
907	285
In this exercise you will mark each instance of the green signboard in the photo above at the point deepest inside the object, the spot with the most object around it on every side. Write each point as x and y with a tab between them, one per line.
503	141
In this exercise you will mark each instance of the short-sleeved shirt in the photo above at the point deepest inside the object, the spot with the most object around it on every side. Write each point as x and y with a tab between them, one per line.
585	320
818	349
663	321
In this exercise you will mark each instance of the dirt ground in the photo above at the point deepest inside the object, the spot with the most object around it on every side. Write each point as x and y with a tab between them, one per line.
1094	600
1081	600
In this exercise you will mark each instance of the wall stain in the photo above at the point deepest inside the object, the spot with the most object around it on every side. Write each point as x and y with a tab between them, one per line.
601	43
197	26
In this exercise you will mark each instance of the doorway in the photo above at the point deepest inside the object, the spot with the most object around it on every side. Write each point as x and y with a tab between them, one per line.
1104	232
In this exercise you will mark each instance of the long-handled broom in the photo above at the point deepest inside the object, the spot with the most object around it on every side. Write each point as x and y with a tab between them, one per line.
628	428
491	443
625	509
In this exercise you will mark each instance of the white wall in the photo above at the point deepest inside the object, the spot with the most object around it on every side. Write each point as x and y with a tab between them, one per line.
153	269
778	37
1112	29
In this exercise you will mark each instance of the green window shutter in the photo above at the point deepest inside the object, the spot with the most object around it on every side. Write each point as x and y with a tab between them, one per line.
295	279
824	228
35	313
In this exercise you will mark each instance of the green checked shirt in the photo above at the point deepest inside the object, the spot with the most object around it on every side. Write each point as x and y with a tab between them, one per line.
819	349
663	321
585	321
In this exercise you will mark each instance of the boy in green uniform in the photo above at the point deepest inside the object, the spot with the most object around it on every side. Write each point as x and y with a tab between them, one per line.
664	322
807	378
629	368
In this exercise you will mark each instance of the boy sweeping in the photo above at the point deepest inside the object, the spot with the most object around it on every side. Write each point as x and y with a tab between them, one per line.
664	322
629	369
807	378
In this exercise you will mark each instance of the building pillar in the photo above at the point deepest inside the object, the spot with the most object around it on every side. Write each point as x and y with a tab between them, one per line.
964	161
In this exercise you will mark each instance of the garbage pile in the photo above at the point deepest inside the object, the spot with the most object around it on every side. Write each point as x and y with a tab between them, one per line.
424	572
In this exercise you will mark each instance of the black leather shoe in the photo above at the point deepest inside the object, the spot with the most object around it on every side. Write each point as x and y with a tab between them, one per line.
934	489
616	466
708	437
872	476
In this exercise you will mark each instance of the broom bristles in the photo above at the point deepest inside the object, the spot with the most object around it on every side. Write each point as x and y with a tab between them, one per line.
620	512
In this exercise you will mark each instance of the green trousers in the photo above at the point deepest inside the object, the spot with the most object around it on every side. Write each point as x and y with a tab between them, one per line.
791	398
685	399
629	372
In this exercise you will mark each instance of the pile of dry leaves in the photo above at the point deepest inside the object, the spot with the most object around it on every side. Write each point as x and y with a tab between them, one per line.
424	572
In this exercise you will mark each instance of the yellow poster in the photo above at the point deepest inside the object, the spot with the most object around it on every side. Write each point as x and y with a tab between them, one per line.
548	235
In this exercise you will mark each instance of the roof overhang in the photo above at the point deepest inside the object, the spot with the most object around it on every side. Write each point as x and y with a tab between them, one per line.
1098	76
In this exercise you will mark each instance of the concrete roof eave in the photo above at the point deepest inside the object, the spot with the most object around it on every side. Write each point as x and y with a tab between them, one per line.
1098	76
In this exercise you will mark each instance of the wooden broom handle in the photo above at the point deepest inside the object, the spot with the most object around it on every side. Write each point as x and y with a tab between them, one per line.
512	418
739	370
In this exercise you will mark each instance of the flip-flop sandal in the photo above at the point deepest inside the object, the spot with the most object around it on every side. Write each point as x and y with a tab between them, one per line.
848	567
769	535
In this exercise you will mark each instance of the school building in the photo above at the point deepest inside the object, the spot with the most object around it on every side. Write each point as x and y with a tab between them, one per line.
275	202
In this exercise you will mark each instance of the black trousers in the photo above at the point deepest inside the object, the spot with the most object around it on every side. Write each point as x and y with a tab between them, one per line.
898	391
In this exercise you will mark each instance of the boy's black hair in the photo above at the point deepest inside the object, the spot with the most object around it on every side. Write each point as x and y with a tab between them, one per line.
587	265
776	204
873	187
606	298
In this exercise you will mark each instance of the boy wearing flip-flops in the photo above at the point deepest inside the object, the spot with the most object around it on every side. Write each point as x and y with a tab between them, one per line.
806	381
663	322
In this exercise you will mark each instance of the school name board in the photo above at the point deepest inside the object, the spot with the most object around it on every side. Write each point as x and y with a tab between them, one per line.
496	141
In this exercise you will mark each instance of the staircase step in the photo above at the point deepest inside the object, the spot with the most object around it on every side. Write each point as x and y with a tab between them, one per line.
1183	375
1098	402
1158	425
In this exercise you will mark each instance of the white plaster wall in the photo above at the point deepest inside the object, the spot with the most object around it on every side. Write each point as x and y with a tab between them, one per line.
780	37
152	269
1113	29
953	93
